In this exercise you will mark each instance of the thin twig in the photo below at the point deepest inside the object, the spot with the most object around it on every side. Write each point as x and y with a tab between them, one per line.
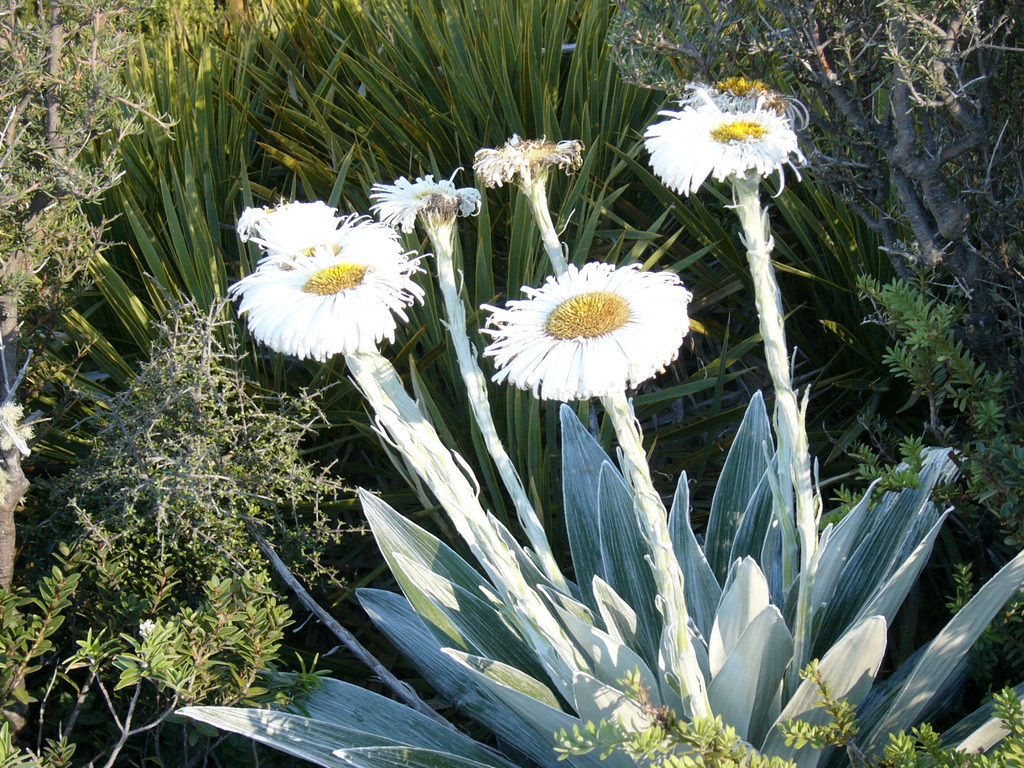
402	690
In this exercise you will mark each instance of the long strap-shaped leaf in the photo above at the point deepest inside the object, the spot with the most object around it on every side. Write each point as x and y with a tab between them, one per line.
942	654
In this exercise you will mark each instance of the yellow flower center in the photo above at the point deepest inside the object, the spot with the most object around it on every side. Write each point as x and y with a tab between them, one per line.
741	86
588	315
335	279
738	130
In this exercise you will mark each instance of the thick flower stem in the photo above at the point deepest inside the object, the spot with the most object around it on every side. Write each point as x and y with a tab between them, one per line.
536	193
400	421
680	656
794	459
676	642
442	235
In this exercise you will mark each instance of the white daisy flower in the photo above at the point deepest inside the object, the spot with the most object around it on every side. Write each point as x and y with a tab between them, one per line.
589	332
341	299
703	141
290	230
400	203
741	94
524	160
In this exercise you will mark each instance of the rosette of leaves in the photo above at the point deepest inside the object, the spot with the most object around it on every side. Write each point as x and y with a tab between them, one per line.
463	632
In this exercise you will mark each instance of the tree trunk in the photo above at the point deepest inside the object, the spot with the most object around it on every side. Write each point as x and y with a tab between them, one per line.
13	483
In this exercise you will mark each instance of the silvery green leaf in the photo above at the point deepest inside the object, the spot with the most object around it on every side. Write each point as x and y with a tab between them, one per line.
745	596
984	737
402	543
292	734
943	654
454	680
771	563
850	668
596	701
483	629
527	563
621	623
534	706
610	660
619	618
744	467
892	528
627	558
354	707
979	731
836	546
582	458
395	533
755	522
406	757
891	594
746	690
564	602
396	618
700	586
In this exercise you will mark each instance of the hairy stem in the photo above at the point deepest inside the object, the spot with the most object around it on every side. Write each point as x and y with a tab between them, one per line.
442	235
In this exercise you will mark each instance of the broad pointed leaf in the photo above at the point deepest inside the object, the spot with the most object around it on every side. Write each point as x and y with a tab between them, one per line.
701	588
745	596
746	690
409	757
582	458
453	679
292	734
539	712
597	701
627	558
943	654
744	467
350	706
480	622
610	660
850	668
619	618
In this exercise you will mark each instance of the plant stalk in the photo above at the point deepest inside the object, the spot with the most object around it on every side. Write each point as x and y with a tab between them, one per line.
400	422
442	235
536	193
676	641
794	460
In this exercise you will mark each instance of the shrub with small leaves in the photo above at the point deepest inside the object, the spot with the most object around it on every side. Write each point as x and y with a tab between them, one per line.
967	403
102	665
191	454
921	748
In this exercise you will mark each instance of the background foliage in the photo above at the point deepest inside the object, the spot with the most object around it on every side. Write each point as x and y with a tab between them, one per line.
313	99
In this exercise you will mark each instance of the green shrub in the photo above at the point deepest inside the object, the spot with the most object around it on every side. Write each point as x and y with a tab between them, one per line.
102	651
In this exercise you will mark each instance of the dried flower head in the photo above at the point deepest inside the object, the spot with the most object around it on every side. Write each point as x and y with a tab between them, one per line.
524	161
